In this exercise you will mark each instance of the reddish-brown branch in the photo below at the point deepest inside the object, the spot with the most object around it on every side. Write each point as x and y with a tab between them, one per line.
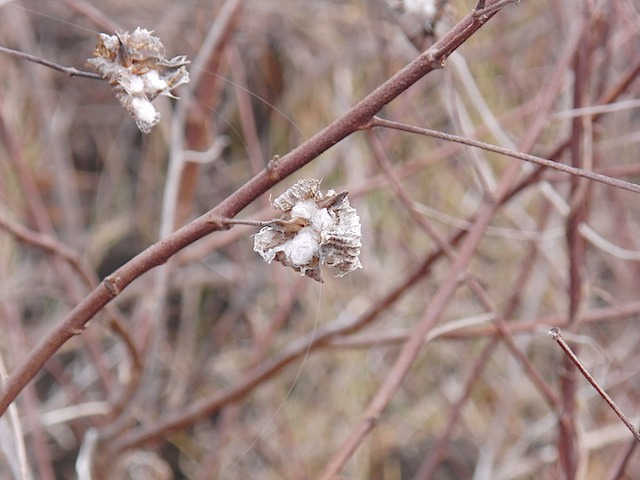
50	245
575	171
555	335
568	449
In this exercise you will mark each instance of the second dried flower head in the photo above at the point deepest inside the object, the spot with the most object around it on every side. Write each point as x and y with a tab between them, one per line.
316	229
136	69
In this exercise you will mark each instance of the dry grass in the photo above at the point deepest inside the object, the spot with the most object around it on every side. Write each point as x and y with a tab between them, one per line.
234	341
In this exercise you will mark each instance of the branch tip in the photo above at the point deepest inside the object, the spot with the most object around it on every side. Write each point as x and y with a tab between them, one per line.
482	12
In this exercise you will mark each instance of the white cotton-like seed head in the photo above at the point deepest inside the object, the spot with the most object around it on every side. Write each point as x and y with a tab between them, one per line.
302	247
133	84
136	68
321	219
316	230
422	7
144	114
305	209
153	82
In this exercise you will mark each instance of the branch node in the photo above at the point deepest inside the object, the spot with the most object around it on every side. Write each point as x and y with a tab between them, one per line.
272	166
482	12
480	15
111	283
436	62
220	223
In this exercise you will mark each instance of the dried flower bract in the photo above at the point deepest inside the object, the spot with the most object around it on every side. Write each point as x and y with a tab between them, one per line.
135	66
315	230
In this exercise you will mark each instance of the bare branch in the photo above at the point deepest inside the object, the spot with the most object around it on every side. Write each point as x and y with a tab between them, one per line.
598	177
70	71
555	335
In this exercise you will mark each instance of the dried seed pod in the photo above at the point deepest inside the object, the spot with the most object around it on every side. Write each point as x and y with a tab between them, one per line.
136	69
315	230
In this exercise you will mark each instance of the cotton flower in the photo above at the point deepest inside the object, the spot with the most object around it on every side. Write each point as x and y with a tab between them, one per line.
135	66
316	229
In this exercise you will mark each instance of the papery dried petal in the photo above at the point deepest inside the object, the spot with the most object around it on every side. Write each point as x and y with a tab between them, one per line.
303	190
341	242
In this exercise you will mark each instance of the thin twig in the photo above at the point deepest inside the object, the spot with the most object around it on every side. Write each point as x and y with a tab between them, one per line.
482	9
17	435
49	244
71	71
554	333
252	223
591	175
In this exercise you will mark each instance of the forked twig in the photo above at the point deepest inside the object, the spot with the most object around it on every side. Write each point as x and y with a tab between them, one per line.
554	334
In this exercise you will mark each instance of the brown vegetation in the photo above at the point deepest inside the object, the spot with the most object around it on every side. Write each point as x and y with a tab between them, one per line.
142	332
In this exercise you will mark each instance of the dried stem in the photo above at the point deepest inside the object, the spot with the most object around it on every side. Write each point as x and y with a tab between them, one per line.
17	435
71	71
555	335
598	177
48	244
